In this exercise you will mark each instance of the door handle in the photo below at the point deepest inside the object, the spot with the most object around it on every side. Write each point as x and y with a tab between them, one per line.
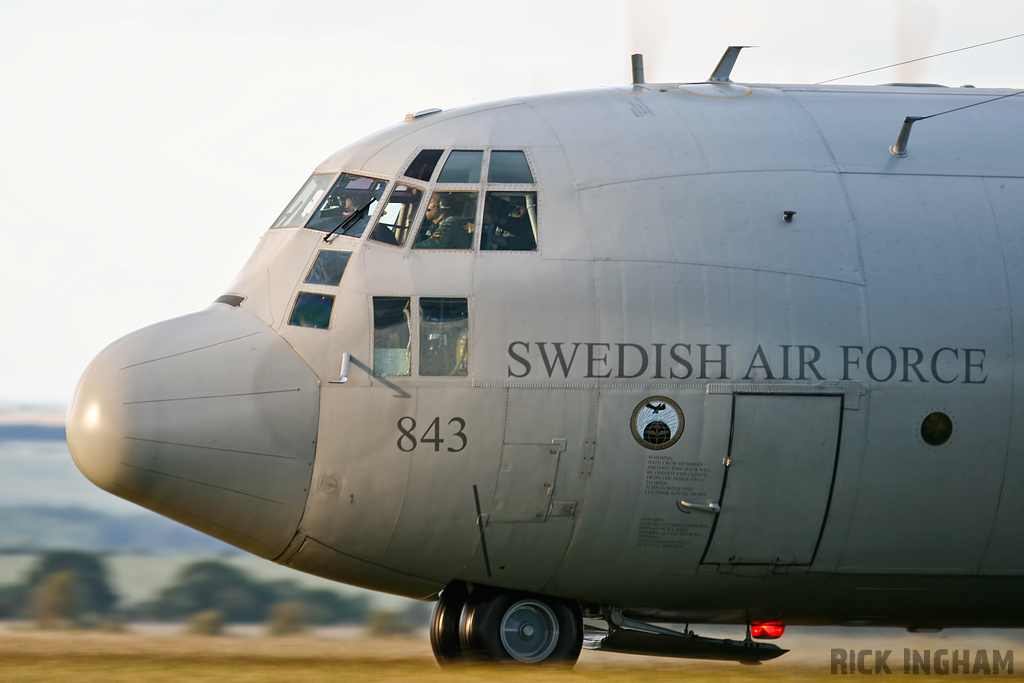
713	508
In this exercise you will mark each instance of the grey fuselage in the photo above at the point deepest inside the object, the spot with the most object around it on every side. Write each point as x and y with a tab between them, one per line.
803	356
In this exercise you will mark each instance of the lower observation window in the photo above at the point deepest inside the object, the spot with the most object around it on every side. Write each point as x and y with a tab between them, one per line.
328	268
312	310
391	337
444	337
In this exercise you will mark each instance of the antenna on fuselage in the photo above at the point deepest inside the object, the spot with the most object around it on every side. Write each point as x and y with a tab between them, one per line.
725	64
637	62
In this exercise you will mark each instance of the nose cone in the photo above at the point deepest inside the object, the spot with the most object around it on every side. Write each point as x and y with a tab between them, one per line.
209	419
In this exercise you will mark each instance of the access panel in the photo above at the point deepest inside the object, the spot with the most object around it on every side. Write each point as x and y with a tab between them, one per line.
778	479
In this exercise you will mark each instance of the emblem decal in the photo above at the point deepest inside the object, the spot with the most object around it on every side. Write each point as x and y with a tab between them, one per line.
657	422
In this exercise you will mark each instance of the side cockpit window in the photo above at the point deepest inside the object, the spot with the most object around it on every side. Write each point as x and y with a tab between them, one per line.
448	222
307	198
395	221
510	221
453	218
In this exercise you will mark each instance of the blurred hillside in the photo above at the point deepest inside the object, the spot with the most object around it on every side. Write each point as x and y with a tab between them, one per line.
38	527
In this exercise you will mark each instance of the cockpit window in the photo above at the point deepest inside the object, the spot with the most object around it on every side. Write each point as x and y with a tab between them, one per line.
448	222
462	167
312	310
444	337
350	195
422	167
510	221
298	210
391	337
395	222
509	167
328	268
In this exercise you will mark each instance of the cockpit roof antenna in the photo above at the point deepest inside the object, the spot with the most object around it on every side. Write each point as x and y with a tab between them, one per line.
920	59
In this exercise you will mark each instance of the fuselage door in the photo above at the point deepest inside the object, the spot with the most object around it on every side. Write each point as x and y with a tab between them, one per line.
778	479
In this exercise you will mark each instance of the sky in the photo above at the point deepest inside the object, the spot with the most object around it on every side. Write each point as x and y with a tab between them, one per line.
146	146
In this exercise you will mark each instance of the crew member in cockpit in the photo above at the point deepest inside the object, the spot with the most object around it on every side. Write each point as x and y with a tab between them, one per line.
443	228
506	226
348	207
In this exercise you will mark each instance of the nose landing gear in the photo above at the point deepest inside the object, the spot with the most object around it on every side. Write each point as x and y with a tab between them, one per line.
495	625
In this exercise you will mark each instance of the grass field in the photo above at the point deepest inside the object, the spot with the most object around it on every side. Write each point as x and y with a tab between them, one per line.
31	655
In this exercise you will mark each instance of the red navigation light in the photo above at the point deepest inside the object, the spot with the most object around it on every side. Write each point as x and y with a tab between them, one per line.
767	630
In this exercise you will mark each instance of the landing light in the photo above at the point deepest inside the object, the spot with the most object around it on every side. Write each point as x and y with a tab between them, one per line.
767	630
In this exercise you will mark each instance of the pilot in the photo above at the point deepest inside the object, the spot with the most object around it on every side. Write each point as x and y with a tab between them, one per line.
348	207
442	228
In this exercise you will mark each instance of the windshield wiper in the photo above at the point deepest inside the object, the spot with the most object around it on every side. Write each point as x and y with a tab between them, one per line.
348	221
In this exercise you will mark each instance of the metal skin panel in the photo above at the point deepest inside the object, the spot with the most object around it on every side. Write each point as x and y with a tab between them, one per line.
628	524
778	481
209	419
268	278
360	478
731	220
664	264
526	479
936	279
1005	551
318	559
764	129
563	419
437	531
980	141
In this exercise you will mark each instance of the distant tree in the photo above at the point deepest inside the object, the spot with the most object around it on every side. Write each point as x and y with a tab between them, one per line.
206	623
418	613
328	607
57	601
287	618
211	585
322	605
12	601
92	585
388	623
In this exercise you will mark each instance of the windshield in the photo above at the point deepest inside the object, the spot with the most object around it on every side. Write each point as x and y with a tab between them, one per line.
349	194
298	210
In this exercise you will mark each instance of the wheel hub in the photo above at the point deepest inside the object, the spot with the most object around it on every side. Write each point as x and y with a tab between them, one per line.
529	631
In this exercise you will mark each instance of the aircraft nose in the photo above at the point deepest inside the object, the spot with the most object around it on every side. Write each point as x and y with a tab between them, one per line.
209	419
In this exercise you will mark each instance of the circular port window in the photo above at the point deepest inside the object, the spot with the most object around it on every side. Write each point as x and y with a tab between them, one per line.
936	429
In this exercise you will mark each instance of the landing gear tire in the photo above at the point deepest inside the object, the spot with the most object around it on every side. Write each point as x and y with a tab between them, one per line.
507	626
444	624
